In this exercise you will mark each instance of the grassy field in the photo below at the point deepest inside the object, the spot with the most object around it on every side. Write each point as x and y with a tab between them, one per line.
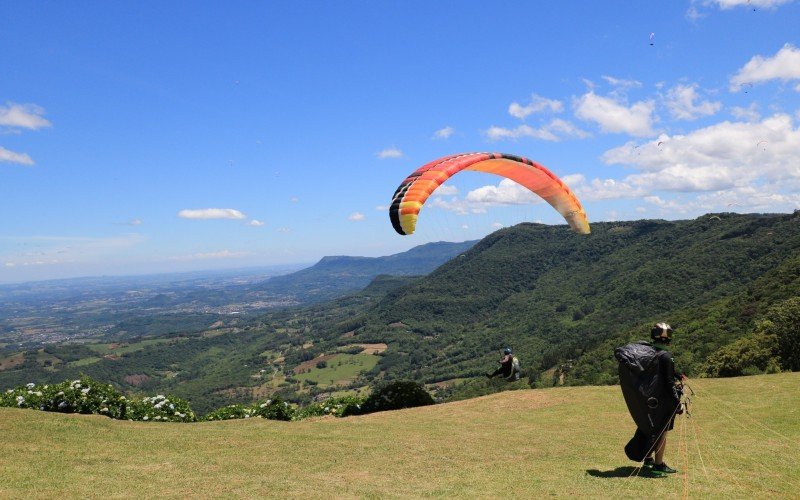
740	442
340	368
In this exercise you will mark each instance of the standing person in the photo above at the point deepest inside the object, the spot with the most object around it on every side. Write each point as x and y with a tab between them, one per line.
509	366
652	391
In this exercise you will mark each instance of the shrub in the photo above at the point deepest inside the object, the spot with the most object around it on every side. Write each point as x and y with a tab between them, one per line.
160	409
274	409
338	407
397	395
230	412
78	396
271	409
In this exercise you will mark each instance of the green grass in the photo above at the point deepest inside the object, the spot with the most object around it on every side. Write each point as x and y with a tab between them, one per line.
741	442
85	361
104	349
340	367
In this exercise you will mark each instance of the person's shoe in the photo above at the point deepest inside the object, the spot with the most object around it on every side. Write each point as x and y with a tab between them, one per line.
664	468
648	462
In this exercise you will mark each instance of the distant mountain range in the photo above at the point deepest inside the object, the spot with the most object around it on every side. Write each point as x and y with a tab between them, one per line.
336	276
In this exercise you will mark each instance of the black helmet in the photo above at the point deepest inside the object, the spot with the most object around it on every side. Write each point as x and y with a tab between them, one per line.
507	350
661	332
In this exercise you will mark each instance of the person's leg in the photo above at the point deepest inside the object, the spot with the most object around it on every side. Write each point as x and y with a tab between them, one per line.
660	447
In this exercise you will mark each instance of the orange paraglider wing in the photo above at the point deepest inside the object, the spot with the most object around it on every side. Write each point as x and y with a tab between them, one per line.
412	193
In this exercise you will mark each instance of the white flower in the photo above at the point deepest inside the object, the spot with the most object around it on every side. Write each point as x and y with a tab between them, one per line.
247	415
30	392
103	410
145	418
122	398
30	385
263	405
9	391
60	393
269	401
86	391
46	386
160	396
158	417
171	406
20	399
158	405
38	393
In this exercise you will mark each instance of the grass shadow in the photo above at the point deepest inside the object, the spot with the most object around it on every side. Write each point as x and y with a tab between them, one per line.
625	471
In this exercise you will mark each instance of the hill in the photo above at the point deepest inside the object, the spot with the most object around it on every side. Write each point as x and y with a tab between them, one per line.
338	275
564	299
561	442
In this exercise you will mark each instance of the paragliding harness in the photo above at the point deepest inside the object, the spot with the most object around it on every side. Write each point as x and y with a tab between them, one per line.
652	400
515	370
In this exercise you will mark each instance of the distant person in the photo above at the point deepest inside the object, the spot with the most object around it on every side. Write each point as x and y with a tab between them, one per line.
509	366
652	391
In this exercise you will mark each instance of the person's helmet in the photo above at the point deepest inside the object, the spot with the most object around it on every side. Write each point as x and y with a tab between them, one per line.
661	332
507	350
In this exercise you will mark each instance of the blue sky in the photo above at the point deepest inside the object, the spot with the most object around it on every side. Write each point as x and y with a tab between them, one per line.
140	137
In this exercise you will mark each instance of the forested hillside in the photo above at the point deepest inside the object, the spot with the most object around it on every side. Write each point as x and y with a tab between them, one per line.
564	300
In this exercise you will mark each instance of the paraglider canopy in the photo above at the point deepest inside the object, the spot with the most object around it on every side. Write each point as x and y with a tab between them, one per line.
412	193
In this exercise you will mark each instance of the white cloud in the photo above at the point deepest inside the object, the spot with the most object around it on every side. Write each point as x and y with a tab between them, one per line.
135	222
681	102
749	113
603	189
445	190
12	157
356	216
382	208
211	213
222	254
613	116
554	131
294	199
255	223
444	133
54	250
390	153
28	116
730	4
497	225
723	156
456	205
622	83
784	66
573	179
284	230
507	192
538	104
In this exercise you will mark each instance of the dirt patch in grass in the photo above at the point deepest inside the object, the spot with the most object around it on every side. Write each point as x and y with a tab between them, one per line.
373	348
11	361
136	380
307	365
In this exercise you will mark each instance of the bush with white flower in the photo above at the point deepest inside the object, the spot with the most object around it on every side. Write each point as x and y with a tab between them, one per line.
160	408
77	396
338	407
271	409
230	412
